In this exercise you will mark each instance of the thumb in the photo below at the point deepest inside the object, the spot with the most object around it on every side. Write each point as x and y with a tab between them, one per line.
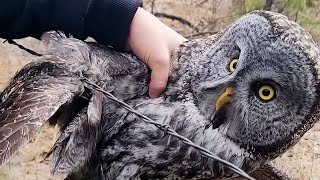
159	79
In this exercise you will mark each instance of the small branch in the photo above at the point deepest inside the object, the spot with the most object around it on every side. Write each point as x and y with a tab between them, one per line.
152	5
201	34
296	15
202	2
172	17
268	5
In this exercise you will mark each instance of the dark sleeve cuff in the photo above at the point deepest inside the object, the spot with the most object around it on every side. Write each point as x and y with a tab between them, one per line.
108	21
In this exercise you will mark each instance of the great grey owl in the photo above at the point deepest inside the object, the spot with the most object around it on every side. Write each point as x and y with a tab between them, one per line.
247	94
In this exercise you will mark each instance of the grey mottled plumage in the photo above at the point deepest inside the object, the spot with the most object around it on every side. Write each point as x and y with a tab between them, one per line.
245	124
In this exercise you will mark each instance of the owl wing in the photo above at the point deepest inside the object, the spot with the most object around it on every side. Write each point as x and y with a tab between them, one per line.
72	53
37	93
78	55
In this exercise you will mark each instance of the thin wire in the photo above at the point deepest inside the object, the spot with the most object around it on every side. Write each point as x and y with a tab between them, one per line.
168	130
10	41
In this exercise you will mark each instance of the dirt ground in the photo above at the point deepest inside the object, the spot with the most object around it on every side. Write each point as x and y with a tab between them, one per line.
303	160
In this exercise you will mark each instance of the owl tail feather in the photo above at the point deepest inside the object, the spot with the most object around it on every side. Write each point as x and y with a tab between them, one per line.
76	144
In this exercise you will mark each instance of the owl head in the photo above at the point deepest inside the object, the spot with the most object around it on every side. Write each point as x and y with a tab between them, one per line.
257	81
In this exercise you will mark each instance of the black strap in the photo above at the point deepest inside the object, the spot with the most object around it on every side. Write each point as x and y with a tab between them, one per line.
10	41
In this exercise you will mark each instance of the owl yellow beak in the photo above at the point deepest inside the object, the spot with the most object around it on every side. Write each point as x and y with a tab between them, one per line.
224	98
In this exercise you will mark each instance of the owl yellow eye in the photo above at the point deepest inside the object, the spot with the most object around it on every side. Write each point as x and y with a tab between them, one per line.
233	65
266	92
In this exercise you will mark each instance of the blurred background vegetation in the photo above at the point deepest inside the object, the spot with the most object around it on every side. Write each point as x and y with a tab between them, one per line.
201	17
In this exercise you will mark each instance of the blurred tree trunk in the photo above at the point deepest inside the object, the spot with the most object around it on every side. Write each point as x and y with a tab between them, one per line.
268	5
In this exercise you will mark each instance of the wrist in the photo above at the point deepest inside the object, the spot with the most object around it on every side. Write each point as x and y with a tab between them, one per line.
114	27
142	24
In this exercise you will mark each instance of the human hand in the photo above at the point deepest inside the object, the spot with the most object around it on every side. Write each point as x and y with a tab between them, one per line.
152	41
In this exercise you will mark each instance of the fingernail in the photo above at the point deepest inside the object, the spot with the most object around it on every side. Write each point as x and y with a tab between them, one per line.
152	95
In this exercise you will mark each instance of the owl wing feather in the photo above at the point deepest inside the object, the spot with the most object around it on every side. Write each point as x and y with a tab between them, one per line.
77	142
31	99
64	147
